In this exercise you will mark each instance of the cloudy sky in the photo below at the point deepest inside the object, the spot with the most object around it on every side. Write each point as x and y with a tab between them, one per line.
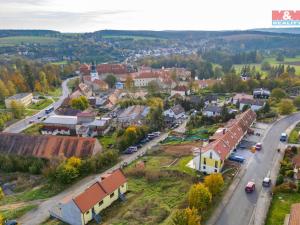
91	15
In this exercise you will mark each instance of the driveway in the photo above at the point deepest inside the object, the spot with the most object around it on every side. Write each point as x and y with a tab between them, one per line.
23	124
240	207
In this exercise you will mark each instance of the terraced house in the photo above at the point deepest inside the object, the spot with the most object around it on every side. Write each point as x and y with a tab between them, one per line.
87	206
223	142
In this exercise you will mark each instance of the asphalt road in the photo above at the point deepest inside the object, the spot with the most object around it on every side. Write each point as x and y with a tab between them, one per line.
240	208
23	124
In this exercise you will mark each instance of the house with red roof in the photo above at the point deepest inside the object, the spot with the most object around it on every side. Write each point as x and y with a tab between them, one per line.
88	205
211	157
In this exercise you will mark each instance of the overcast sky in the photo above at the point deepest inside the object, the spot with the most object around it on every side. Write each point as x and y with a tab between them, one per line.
92	15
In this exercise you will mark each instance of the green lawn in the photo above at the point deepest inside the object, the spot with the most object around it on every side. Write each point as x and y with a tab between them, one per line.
30	112
108	140
280	206
33	129
130	37
17	213
42	104
56	92
17	40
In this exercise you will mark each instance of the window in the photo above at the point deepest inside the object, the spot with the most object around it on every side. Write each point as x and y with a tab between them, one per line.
204	161
204	167
87	213
216	164
216	170
210	155
100	203
112	194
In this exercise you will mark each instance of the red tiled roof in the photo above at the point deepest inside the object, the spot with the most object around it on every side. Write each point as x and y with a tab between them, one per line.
47	146
180	88
295	214
90	197
99	190
296	161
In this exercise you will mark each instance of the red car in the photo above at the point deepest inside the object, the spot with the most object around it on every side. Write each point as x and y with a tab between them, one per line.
258	146
250	187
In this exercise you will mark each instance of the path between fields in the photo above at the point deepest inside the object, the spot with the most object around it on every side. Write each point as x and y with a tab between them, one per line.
13	206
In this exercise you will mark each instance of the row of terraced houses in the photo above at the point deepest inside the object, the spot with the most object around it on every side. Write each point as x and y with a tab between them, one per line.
211	157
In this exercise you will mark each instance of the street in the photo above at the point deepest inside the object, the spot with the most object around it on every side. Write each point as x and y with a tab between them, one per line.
23	124
41	214
240	207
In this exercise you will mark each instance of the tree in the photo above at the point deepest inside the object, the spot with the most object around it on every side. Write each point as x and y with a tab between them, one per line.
1	193
11	88
156	114
153	87
3	90
66	173
43	81
186	217
1	219
129	83
38	86
280	58
286	107
111	80
80	103
17	109
278	93
215	183
297	101
29	77
266	66
199	197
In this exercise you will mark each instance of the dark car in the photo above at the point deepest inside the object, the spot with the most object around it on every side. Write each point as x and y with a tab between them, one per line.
144	141
236	158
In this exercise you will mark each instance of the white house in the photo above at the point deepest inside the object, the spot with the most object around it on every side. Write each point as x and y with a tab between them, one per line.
212	110
175	112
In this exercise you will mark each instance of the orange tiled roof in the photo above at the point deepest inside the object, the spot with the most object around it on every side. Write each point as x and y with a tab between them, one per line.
295	214
99	190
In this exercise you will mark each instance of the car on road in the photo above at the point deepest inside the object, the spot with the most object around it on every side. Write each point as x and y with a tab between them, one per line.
144	141
31	121
283	137
130	150
266	182
236	158
250	187
258	146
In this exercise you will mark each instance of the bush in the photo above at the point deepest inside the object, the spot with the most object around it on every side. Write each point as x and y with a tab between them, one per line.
287	187
280	179
136	172
289	173
153	175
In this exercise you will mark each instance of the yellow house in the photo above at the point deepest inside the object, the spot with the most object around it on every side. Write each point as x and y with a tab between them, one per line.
88	205
22	98
212	156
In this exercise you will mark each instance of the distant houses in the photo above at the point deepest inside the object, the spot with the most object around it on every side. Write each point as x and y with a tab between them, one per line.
133	115
175	112
23	98
261	93
223	142
254	104
88	205
212	111
180	90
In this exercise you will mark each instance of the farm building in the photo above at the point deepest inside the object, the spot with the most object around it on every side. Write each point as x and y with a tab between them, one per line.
44	146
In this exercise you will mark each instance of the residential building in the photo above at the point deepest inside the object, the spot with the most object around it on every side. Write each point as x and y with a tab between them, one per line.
211	157
84	207
296	164
22	98
254	104
133	115
119	85
211	99
180	90
205	83
261	93
47	146
60	125
96	85
212	111
175	112
144	78
294	217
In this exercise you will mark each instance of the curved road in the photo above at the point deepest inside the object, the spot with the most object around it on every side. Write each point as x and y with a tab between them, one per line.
241	206
23	124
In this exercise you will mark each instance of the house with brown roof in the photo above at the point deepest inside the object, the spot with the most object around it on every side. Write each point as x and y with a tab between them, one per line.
211	157
294	217
88	205
48	146
180	90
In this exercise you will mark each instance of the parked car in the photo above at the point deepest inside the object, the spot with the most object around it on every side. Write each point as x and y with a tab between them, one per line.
151	136
11	222
139	145
130	150
258	146
266	182
144	141
31	121
250	187
283	137
236	158
156	134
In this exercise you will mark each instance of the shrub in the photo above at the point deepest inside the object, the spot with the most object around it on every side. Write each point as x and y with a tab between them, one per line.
289	173
287	187
280	179
153	175
136	172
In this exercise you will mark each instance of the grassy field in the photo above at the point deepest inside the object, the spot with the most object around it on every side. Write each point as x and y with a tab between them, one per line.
17	213
56	92
42	104
33	129
108	140
280	206
17	40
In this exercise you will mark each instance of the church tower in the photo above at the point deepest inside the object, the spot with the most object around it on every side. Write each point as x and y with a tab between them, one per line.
94	73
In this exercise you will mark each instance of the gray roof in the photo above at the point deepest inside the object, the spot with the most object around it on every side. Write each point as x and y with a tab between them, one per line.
65	120
213	108
177	109
18	96
252	102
